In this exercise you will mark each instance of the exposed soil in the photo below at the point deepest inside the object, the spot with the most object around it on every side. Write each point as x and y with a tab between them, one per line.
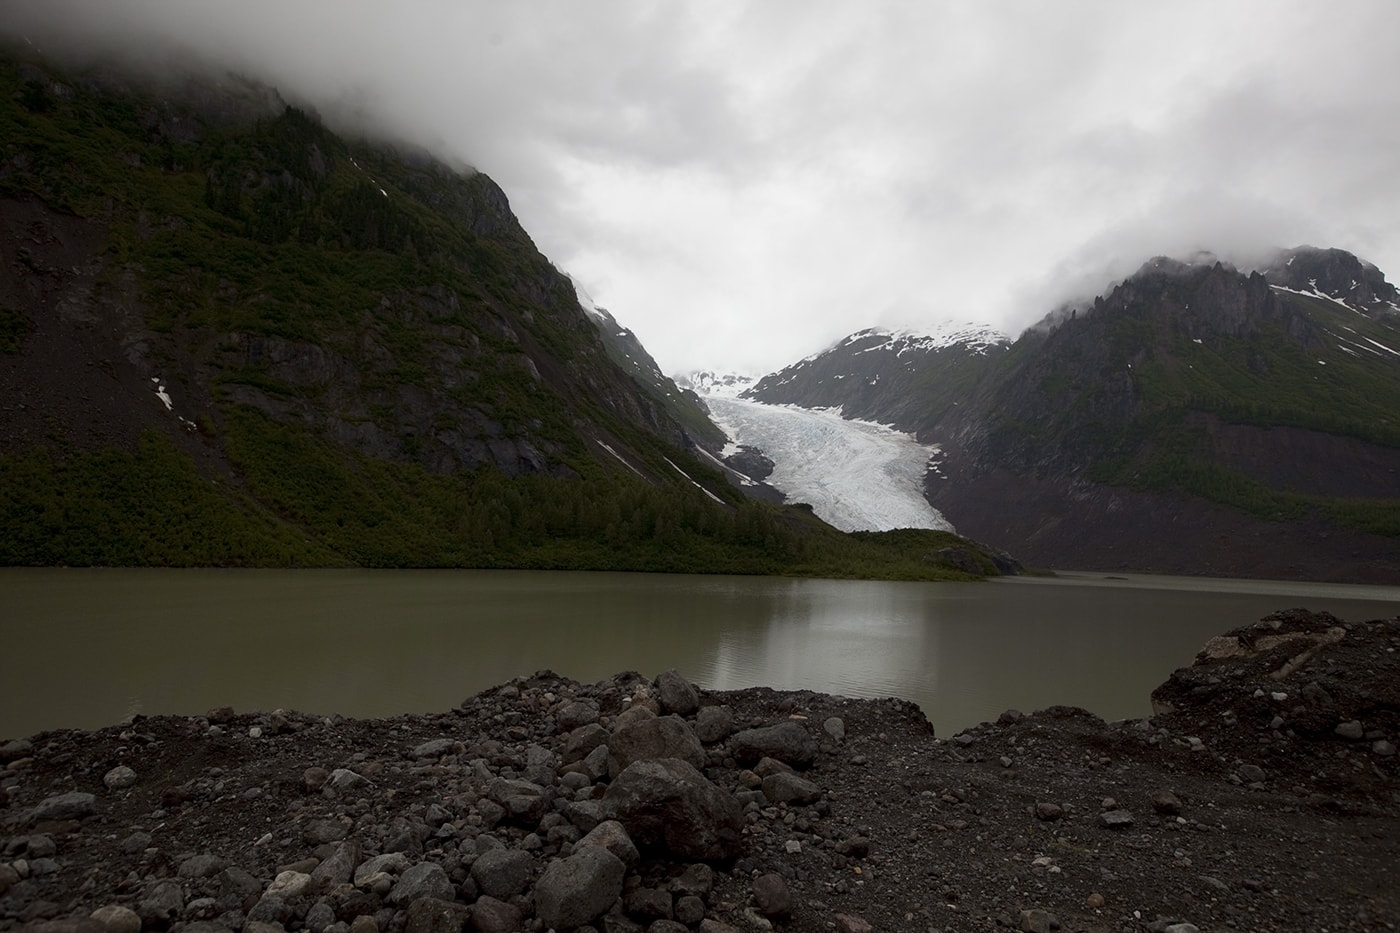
1265	796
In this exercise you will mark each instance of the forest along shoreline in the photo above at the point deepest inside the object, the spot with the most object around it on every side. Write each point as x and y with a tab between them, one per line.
1263	795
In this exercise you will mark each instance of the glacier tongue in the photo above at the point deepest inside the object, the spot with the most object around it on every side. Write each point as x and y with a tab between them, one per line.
856	475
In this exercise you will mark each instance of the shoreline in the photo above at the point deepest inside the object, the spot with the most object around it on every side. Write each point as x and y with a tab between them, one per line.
803	811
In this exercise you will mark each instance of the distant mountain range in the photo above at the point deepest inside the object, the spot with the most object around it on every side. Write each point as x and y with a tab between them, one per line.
1195	419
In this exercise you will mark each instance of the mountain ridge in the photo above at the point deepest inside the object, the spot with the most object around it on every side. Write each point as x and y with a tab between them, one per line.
1195	418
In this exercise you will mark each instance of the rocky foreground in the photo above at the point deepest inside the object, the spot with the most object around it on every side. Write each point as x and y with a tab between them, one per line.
1265	795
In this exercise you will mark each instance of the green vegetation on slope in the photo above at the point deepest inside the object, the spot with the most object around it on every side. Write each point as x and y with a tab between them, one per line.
313	507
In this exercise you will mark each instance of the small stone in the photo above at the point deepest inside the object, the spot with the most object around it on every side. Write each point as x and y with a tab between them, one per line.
117	919
365	923
288	884
314	778
436	748
771	895
689	909
1094	901
1116	819
1038	921
1352	731
786	787
119	778
220	715
1182	928
1251	774
202	866
849	923
8	877
835	727
1048	811
1383	748
343	779
1166	803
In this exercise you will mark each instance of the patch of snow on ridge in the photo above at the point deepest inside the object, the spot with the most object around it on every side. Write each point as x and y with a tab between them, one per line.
856	475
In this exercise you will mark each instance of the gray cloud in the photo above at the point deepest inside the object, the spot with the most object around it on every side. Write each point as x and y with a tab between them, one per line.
743	182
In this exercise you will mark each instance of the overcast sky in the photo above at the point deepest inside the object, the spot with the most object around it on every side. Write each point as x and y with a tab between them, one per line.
745	183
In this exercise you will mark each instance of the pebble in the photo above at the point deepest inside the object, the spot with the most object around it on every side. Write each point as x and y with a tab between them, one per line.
1352	731
1116	819
119	778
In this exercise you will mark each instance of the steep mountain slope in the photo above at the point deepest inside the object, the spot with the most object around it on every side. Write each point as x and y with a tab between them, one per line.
229	336
1196	419
879	375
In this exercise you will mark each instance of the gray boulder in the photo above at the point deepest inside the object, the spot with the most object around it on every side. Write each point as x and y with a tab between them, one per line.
667	803
787	741
660	737
786	787
677	694
578	889
612	835
71	806
426	879
714	723
503	872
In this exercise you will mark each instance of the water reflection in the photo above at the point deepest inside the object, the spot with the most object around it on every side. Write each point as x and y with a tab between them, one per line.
87	648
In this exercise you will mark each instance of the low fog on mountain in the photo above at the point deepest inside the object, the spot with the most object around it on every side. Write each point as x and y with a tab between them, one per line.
744	184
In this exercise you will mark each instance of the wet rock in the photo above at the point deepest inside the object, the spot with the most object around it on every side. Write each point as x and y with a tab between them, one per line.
787	741
503	872
648	738
576	890
434	915
676	694
668	804
771	895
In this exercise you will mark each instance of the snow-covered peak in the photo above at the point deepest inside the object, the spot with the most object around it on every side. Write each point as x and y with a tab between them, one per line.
715	385
978	338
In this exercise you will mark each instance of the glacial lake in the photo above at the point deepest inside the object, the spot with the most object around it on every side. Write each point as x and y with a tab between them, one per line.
90	648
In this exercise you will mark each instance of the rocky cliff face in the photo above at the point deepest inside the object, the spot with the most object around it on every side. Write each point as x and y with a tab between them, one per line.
241	254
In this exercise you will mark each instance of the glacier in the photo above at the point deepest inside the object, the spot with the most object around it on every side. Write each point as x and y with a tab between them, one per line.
856	475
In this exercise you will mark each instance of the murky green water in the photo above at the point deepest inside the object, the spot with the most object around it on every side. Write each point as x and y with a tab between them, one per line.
88	648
